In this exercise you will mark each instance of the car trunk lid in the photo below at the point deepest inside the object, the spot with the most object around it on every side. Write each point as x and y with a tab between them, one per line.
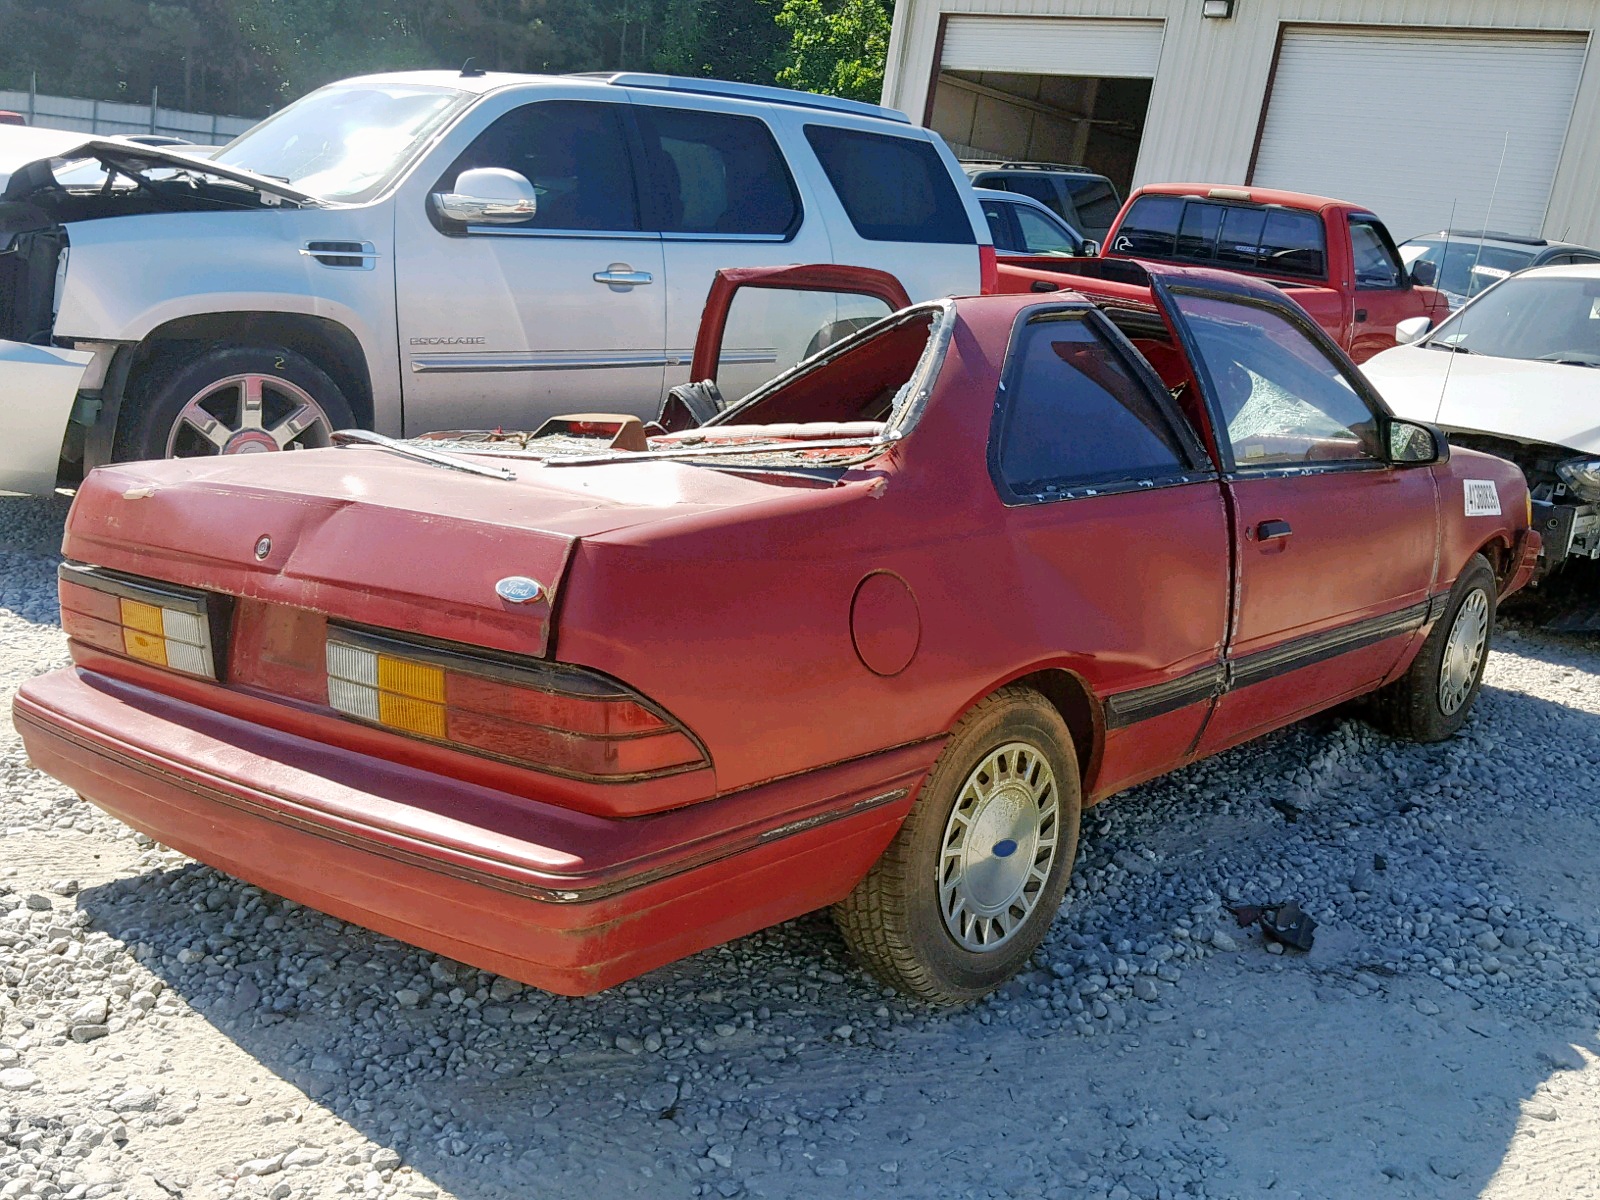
371	538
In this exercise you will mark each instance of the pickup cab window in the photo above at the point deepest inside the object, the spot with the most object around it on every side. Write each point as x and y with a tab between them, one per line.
1240	237
574	152
1284	402
1377	262
1077	414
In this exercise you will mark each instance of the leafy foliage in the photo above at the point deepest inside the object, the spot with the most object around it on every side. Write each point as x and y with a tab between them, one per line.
838	46
251	56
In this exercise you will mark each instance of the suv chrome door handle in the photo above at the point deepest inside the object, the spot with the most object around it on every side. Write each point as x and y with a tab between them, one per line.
622	275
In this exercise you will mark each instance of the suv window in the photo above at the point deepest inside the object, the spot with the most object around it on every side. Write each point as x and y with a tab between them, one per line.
1038	187
574	152
1280	241
715	173
1094	198
1283	400
894	189
1077	414
1377	264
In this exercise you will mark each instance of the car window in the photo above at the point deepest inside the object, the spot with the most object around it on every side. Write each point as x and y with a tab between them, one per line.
1293	243
1041	235
573	152
1539	317
1038	187
894	189
1094	198
1077	414
1197	232
1150	226
1283	400
715	173
1001	227
1239	241
1377	264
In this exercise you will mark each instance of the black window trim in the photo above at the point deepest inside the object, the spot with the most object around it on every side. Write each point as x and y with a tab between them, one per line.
1303	279
1300	319
1200	468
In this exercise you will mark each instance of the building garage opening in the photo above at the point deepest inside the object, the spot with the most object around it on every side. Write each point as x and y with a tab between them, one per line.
1053	90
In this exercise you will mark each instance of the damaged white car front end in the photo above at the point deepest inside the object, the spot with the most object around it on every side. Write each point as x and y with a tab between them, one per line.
1516	373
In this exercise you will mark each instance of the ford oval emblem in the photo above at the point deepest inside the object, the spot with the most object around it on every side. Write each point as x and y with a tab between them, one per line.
519	589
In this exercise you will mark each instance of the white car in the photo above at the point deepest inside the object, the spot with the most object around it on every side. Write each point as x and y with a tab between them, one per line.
1516	372
431	250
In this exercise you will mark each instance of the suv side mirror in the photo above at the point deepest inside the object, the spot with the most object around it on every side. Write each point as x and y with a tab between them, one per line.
1412	443
1412	329
488	196
1091	248
1424	273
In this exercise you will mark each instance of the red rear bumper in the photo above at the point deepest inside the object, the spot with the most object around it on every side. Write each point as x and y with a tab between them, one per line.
561	900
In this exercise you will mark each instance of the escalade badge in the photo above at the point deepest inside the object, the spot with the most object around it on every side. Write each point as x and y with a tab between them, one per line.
519	589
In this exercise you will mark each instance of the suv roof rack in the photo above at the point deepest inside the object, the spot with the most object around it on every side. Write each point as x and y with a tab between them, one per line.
1077	168
744	91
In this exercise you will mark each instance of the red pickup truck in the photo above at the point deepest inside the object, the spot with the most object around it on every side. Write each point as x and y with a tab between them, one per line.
1335	258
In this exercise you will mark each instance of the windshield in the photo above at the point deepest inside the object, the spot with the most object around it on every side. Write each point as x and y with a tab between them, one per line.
345	142
1548	318
1468	266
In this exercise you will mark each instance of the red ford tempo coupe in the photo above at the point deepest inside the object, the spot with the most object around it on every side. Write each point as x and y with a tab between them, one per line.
571	705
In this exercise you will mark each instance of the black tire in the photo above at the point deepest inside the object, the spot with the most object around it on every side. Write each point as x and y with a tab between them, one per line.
894	921
156	425
1417	706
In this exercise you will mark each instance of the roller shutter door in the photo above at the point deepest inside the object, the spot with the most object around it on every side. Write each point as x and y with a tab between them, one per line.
1409	124
1052	46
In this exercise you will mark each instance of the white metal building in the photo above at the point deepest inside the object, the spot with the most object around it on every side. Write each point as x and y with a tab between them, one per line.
1430	112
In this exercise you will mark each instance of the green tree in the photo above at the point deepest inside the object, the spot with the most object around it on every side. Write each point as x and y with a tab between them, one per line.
837	46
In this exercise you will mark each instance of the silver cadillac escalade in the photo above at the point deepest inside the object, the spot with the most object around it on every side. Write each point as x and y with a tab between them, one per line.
426	250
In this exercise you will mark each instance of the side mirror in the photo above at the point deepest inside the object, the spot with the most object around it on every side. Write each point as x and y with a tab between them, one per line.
1424	273
1412	329
1091	248
1414	444
488	196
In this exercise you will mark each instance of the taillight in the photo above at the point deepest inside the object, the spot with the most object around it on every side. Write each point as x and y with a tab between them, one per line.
161	624
543	715
988	271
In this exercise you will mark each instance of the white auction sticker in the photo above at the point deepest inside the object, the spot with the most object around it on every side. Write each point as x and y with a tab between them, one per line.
1483	498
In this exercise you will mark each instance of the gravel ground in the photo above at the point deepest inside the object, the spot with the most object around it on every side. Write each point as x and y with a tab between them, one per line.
166	1031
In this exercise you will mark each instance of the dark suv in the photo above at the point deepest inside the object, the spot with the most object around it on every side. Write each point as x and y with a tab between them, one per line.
1086	201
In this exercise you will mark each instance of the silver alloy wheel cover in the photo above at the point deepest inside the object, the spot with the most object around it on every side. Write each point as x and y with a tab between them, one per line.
999	845
245	431
1463	652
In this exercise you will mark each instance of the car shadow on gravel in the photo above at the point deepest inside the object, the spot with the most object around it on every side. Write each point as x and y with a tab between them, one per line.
1155	1044
30	548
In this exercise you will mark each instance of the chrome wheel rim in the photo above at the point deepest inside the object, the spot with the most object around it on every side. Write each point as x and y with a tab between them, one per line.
248	414
1463	652
999	845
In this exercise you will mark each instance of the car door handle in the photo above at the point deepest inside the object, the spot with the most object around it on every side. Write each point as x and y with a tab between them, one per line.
1361	314
622	275
1269	531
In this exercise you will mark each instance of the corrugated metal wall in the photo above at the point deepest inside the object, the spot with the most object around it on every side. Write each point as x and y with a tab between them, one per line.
1211	86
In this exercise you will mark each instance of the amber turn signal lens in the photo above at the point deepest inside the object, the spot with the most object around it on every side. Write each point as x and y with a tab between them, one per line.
558	719
162	626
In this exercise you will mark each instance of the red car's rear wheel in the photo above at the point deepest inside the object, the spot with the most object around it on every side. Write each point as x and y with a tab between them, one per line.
968	888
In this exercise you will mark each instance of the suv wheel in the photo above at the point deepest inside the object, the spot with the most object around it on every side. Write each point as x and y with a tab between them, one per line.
234	400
